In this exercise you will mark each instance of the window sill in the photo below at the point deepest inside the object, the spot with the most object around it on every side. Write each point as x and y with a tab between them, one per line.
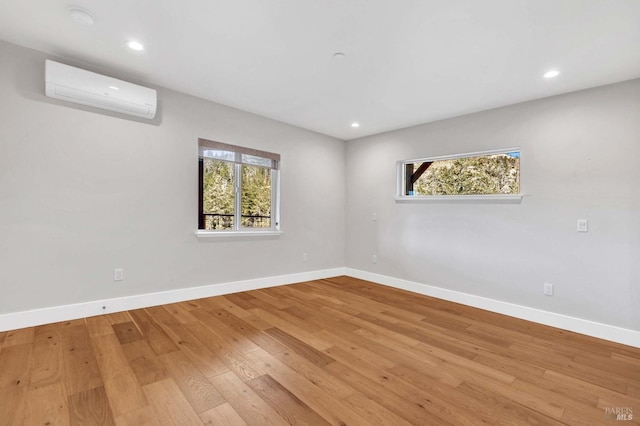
235	234
490	199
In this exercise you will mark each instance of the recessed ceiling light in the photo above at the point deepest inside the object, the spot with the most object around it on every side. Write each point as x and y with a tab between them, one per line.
551	74
81	16
114	88
355	124
134	45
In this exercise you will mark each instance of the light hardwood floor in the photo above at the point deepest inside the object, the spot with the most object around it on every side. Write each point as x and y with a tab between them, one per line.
339	351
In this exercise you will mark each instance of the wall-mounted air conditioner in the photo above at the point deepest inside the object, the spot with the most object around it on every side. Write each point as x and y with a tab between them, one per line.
99	91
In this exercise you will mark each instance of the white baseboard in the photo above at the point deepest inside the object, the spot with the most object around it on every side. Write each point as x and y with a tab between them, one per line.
577	325
16	320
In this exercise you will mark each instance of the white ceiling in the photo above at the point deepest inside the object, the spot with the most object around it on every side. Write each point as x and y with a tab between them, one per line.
406	61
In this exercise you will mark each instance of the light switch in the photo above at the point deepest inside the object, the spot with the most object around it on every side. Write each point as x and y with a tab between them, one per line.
583	225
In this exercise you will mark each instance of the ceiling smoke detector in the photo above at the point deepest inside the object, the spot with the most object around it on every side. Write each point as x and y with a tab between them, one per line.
81	16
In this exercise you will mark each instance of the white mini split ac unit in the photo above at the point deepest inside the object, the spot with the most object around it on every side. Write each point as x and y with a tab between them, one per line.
99	91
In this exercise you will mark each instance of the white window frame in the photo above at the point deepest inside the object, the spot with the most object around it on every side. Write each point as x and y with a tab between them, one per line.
492	198
238	230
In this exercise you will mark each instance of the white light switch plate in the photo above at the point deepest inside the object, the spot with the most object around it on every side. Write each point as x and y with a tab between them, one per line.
118	274
583	225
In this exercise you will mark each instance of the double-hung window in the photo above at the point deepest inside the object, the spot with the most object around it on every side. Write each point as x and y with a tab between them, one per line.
238	189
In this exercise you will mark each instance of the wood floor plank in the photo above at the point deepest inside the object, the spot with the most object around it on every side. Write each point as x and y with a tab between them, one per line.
431	334
202	356
47	363
253	409
118	317
374	413
144	362
286	404
589	393
341	351
98	326
138	349
508	365
46	405
445	395
311	311
293	329
145	416
153	333
90	408
14	366
511	413
18	337
266	297
503	387
249	331
405	407
196	388
243	300
437	404
223	302
315	374
170	404
13	404
408	355
365	327
301	348
257	322
428	334
127	332
358	350
566	366
123	390
81	370
230	336
559	399
633	391
331	409
621	369
318	292
222	415
233	359
180	313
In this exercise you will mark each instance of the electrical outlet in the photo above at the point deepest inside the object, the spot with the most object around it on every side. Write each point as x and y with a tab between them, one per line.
374	259
305	257
548	289
118	274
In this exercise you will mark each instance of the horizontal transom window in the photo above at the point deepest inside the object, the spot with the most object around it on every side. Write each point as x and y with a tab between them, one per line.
474	174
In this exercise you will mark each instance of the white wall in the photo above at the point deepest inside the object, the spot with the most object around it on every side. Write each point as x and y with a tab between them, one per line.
83	192
580	159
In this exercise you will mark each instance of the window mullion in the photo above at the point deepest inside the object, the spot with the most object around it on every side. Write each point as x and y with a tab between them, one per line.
237	210
275	214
